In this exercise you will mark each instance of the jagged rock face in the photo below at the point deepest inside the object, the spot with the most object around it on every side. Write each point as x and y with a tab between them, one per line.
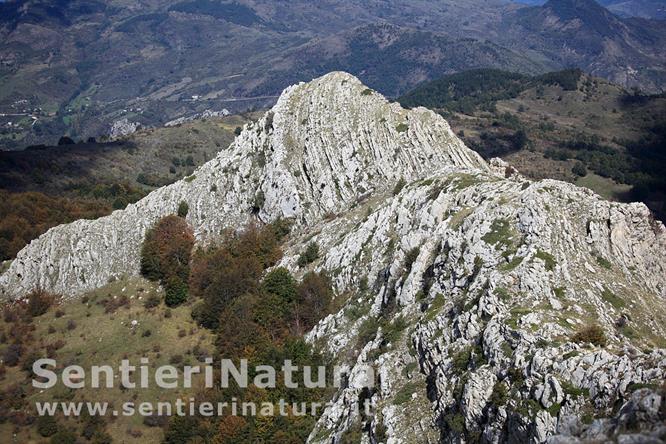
489	274
323	146
121	128
492	275
207	114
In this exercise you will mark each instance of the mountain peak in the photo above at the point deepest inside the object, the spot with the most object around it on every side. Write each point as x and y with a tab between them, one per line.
588	11
324	146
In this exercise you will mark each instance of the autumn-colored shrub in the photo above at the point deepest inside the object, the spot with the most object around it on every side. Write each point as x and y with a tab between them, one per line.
112	304
218	277
39	302
166	249
259	320
12	355
231	429
592	334
165	257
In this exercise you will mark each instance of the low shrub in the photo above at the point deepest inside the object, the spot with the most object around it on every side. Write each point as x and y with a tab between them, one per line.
183	209
592	334
410	258
39	302
46	426
152	301
500	395
175	291
310	255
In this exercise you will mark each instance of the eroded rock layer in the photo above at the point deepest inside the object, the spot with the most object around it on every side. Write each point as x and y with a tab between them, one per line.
463	283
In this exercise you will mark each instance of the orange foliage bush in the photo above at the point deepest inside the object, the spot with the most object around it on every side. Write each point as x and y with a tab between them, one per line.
166	250
165	256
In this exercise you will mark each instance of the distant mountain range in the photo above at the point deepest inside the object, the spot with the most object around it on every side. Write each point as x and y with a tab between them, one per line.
76	66
655	9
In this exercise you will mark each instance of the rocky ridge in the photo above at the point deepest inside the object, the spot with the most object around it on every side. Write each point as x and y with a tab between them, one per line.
207	114
463	281
323	146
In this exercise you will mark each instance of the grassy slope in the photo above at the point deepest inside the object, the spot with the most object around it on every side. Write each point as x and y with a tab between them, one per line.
106	338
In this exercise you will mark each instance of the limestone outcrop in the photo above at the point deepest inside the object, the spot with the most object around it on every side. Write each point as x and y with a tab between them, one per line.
473	278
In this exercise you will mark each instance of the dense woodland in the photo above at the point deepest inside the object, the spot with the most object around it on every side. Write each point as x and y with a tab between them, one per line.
468	91
256	316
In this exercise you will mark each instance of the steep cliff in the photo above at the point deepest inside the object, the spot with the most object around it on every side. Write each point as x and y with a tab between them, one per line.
462	282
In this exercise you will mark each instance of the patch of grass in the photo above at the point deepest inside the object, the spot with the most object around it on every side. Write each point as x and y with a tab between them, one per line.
502	293
528	408
500	234
393	331
548	260
4	266
366	92
404	395
571	390
435	307
458	218
402	127
506	349
629	332
102	337
399	186
367	331
542	343
409	369
516	314
189	179
641	385
610	297
605	187
559	292
356	311
462	181
554	410
603	262
512	264
570	354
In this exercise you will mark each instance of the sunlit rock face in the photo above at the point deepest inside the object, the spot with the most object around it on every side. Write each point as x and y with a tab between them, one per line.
474	279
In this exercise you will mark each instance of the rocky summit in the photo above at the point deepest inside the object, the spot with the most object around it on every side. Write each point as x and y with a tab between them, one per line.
526	311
